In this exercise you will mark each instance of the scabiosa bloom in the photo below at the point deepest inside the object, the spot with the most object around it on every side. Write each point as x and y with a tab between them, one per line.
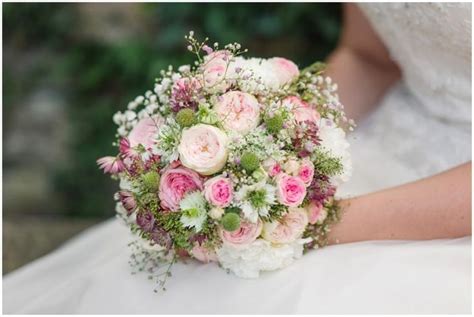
146	221
111	164
185	94
256	200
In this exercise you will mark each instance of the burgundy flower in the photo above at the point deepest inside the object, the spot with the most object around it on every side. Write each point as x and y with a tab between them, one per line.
146	221
321	189
161	237
111	164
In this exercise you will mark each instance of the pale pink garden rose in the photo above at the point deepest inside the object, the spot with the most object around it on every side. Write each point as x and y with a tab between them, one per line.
219	191
203	254
284	69
246	234
272	167
145	131
175	183
291	190
214	70
289	229
316	212
302	111
203	148
306	171
238	111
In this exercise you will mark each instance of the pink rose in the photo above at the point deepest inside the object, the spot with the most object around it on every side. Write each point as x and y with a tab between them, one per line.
315	212
272	167
306	171
246	234
218	191
285	70
145	131
175	184
301	110
288	229
291	190
214	69
238	111
203	148
203	254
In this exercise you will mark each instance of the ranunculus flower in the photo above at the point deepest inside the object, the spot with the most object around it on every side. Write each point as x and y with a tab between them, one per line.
203	254
301	110
214	70
145	131
316	212
175	183
306	171
271	167
290	228
203	148
246	234
284	70
238	111
291	190
218	191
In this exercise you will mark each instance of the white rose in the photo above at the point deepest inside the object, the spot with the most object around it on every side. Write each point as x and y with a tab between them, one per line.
238	111
291	167
203	148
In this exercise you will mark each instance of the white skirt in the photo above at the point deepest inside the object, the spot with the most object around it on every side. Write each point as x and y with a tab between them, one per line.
398	143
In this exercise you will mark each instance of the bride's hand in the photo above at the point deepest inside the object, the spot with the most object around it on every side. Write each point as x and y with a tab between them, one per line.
433	208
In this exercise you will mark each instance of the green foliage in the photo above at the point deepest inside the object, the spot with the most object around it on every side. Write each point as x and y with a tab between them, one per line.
99	77
150	181
326	164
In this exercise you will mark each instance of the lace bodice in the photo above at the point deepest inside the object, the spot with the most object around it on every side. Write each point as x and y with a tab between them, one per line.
432	44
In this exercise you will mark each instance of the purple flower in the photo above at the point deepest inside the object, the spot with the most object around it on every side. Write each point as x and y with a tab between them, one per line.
185	93
161	237
146	221
128	201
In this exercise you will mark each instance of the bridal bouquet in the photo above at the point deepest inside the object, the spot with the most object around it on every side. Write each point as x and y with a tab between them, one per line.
231	160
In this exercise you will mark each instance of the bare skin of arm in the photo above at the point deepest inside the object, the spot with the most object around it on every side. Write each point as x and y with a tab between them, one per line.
432	208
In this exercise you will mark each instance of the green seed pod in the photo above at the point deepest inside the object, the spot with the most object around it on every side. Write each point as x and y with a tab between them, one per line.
150	181
249	162
230	221
186	118
274	124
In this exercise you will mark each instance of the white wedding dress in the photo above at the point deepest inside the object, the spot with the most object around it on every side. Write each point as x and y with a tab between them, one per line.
422	127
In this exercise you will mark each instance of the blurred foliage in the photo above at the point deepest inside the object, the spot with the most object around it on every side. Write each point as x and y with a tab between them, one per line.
98	77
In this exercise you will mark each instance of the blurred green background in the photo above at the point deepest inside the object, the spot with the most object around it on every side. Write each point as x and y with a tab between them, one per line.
68	67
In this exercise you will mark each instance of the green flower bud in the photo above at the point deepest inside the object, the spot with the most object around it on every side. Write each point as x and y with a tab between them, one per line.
235	210
230	221
274	124
150	181
249	162
186	118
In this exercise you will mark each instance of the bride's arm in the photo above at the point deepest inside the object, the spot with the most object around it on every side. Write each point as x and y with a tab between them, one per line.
432	208
360	65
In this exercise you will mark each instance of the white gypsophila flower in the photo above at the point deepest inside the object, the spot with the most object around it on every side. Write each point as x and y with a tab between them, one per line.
249	260
193	208
334	140
255	200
